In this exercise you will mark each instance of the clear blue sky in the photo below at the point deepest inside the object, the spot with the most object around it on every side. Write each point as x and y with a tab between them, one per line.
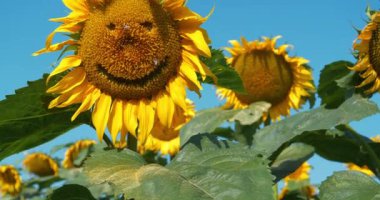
321	31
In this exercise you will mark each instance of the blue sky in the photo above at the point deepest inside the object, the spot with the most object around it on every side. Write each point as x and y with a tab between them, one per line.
321	31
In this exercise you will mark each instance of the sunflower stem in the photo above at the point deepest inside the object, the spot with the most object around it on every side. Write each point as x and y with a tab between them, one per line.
132	143
371	153
108	141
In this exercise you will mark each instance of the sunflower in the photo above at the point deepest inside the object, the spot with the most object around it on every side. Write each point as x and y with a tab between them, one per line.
73	152
367	45
10	180
132	62
166	140
301	174
40	164
364	169
268	74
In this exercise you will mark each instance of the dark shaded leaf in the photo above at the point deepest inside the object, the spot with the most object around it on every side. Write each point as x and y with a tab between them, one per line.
71	192
25	120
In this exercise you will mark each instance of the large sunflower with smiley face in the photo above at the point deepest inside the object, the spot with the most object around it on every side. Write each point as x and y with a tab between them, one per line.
132	62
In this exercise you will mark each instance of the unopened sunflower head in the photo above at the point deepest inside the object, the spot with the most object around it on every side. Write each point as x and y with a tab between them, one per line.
10	181
132	62
40	164
367	46
73	152
268	74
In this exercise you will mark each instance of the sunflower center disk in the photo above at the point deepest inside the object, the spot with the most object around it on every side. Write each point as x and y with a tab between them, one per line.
130	49
266	77
8	177
374	50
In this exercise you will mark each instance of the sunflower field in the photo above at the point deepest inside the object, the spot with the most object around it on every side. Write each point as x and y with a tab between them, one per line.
133	72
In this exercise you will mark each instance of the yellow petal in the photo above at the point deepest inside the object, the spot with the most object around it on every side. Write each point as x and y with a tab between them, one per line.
87	103
54	47
116	119
69	81
65	64
146	116
130	116
101	114
199	41
165	110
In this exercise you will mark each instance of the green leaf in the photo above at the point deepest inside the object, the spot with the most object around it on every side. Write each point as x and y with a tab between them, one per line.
206	121
71	192
342	147
331	94
271	138
206	168
291	159
226	75
349	185
25	120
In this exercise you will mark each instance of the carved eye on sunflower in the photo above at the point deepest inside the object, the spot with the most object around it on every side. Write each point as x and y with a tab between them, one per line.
268	74
367	45
133	62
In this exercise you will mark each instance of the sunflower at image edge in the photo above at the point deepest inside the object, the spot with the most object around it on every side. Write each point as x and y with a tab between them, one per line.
41	165
367	46
132	63
268	74
10	180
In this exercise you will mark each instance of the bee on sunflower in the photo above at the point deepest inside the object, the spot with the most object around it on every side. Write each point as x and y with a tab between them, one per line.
132	63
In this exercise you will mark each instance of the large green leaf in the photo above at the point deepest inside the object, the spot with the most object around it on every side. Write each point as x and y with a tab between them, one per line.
206	121
206	168
25	120
290	159
349	185
226	76
271	138
71	192
337	83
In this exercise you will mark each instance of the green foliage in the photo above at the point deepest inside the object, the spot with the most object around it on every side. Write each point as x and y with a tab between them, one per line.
349	185
226	76
206	121
271	138
290	159
71	192
331	94
206	168
25	120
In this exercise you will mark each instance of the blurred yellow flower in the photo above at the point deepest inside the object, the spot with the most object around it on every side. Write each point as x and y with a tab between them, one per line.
132	63
367	45
73	152
268	74
40	164
10	180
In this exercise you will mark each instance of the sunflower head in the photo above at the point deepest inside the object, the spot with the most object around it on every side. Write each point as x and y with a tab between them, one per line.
302	173
268	74
73	152
367	46
10	180
40	164
132	62
166	140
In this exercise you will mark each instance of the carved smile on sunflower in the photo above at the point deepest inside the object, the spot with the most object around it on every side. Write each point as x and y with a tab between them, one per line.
132	62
